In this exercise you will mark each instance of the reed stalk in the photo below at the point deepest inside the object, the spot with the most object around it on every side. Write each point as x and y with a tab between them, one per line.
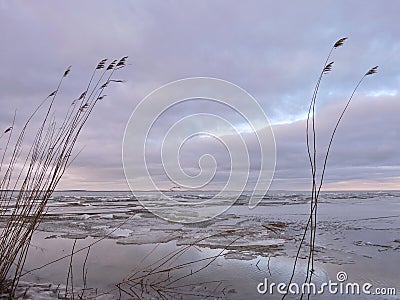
29	173
317	181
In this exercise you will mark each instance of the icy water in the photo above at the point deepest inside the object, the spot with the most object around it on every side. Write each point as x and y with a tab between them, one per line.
224	258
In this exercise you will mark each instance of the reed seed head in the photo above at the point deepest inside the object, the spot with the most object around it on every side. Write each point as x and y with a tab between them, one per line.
122	62
82	96
339	42
101	64
372	71
328	67
67	71
112	65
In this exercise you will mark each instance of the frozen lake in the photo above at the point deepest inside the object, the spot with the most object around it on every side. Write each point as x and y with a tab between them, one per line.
358	233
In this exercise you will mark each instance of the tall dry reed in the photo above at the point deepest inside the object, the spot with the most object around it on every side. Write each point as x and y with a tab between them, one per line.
317	181
29	173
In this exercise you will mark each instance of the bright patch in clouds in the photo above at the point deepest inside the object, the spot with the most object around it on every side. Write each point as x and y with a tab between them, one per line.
382	93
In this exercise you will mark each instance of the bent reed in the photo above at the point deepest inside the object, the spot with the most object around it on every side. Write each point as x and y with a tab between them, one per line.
30	171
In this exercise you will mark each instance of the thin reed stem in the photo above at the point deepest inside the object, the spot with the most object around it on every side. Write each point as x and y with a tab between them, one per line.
311	225
29	176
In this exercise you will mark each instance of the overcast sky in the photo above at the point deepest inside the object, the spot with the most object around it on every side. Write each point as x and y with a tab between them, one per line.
273	50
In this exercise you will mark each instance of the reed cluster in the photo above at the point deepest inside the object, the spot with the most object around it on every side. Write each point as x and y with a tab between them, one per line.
30	171
318	178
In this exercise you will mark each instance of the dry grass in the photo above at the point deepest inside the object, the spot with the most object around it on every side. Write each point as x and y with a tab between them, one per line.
317	181
30	174
167	278
172	276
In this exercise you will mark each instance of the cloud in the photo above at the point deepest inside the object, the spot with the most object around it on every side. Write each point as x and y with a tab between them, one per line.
365	147
273	50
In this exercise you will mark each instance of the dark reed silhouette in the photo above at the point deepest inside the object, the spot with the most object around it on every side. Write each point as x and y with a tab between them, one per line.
29	173
317	183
